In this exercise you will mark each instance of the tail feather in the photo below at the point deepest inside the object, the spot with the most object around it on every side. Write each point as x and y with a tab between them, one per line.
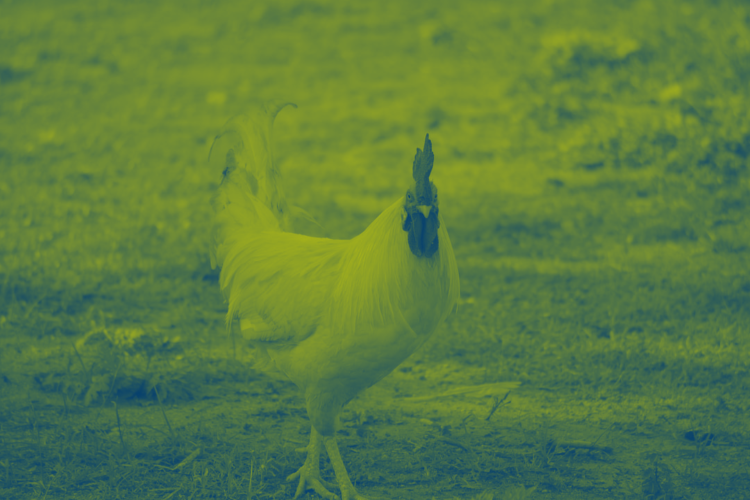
251	195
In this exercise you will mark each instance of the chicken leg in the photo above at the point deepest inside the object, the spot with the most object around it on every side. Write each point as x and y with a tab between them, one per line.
348	492
309	473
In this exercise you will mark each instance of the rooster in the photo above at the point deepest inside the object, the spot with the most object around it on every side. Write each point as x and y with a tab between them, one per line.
332	316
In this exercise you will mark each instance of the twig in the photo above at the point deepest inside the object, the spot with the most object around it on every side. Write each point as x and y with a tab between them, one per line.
158	398
119	428
85	371
497	404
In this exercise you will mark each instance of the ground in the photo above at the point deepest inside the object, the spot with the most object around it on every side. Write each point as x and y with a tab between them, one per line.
592	163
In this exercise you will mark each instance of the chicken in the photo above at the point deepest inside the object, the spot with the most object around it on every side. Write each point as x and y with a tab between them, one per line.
332	316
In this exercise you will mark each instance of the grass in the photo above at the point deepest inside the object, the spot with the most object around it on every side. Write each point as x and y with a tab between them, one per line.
592	160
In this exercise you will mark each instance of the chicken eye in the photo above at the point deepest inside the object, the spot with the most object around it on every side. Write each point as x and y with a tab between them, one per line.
409	197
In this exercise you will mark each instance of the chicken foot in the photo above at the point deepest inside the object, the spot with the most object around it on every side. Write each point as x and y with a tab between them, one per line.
348	492
309	473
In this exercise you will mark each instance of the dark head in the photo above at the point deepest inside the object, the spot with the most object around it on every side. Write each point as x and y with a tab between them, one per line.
421	205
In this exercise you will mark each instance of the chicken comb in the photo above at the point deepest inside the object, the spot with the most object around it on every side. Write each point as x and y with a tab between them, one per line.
423	165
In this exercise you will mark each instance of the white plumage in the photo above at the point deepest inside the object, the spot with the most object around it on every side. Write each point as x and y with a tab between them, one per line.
333	316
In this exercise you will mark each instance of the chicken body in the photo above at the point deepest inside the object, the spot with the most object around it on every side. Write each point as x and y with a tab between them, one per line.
332	316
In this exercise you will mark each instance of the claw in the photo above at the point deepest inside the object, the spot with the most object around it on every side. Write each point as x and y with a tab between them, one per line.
312	479
309	473
307	481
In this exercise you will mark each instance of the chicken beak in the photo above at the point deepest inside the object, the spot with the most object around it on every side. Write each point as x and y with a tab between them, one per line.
425	209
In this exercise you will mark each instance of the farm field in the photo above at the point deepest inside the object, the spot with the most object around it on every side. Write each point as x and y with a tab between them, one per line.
592	162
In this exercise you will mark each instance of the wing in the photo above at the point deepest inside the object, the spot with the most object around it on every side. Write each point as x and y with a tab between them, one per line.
278	284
